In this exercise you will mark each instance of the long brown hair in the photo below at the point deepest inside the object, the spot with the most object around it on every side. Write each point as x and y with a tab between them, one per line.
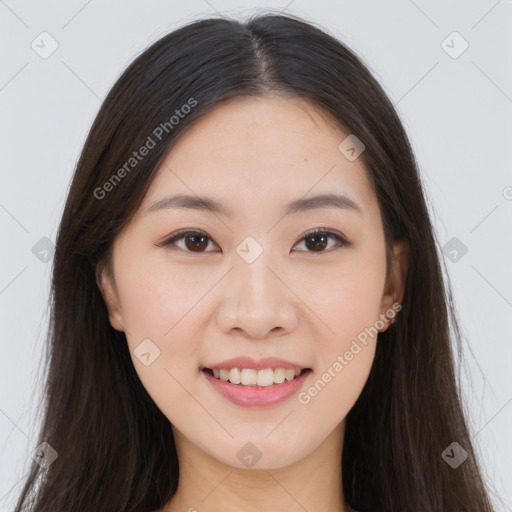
115	448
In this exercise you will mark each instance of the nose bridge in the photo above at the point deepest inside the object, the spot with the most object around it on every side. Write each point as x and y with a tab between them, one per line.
256	301
255	283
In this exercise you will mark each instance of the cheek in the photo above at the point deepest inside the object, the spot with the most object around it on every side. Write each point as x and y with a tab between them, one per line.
345	297
158	296
348	307
345	353
335	387
160	302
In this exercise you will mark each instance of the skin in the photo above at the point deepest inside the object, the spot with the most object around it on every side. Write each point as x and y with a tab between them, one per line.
254	156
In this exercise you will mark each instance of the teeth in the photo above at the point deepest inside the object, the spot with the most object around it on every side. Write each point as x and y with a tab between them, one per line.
289	374
250	377
265	377
279	375
234	376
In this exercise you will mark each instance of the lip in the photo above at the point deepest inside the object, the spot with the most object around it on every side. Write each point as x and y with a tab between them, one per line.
247	396
255	364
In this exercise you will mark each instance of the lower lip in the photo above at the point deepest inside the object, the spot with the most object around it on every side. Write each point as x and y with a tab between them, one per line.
247	396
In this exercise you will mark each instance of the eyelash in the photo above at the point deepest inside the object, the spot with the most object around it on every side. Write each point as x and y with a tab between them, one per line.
330	234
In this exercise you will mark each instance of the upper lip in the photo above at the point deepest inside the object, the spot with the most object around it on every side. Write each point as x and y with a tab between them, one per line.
256	364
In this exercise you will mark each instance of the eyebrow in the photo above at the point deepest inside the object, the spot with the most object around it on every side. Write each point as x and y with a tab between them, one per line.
207	204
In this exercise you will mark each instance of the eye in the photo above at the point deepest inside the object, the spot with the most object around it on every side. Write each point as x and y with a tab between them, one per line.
197	241
319	239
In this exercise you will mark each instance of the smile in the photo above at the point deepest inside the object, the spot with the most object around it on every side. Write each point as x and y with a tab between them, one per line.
277	385
256	378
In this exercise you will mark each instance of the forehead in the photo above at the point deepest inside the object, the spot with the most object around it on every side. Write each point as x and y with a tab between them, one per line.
270	129
249	152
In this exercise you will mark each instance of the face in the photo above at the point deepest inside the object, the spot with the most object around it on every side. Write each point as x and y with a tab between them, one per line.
254	281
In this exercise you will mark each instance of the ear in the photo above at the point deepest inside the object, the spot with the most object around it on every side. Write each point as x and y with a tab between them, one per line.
395	284
106	285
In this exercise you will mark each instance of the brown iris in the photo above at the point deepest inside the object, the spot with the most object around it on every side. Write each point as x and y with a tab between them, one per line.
200	242
317	245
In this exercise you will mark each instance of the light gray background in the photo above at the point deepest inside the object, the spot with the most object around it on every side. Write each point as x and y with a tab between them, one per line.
457	111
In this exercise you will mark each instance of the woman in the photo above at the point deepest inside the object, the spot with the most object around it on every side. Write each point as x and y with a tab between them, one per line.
249	311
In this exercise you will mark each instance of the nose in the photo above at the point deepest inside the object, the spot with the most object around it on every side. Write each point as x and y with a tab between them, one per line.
257	301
